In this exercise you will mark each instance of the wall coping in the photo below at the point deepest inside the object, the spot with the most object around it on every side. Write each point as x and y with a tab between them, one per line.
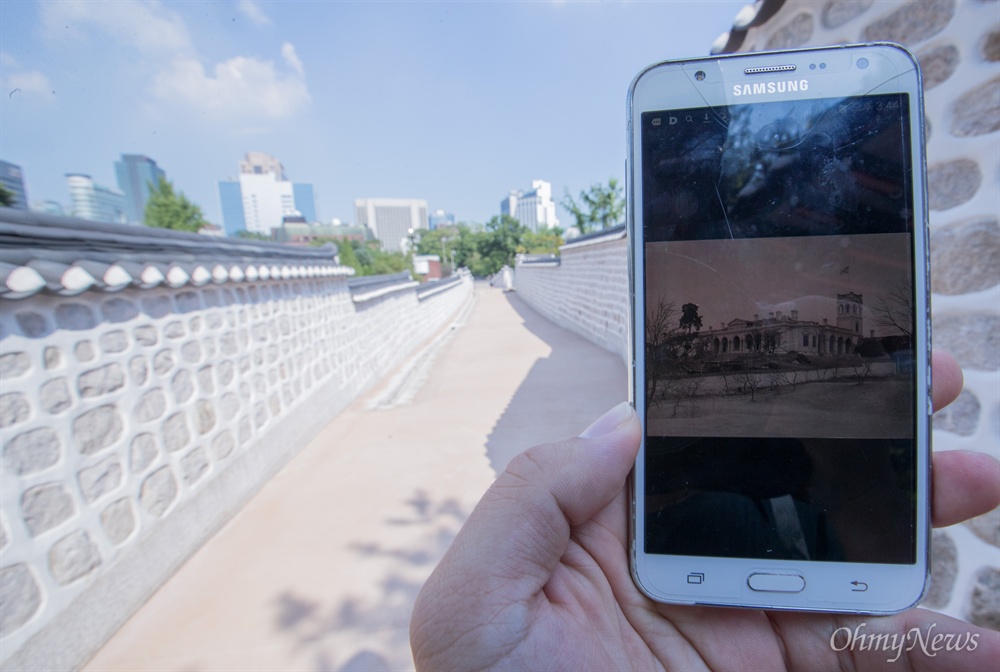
595	238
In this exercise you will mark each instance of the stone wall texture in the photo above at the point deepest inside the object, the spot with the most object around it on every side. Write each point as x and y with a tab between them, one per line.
134	424
956	44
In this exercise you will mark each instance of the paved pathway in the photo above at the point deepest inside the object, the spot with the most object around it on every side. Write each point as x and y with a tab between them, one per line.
320	570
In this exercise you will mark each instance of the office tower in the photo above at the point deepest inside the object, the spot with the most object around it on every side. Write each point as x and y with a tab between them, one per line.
535	209
136	175
391	219
441	218
262	196
13	179
95	202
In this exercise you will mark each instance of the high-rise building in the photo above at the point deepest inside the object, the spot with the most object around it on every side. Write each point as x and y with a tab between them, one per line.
391	219
535	209
136	175
95	202
13	179
262	196
440	218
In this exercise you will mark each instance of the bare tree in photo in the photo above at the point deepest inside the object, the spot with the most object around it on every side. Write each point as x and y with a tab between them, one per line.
660	333
895	310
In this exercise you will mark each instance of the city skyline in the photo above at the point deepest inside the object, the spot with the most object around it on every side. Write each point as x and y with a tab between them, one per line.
379	110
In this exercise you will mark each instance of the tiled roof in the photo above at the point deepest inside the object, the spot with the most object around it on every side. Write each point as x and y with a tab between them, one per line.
751	15
66	256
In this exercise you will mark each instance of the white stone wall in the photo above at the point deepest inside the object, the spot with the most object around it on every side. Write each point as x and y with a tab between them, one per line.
135	424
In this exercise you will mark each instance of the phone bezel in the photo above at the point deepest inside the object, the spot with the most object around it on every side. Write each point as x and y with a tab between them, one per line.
665	578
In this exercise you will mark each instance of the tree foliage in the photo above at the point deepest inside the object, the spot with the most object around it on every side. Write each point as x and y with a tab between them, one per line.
366	258
6	196
599	207
167	209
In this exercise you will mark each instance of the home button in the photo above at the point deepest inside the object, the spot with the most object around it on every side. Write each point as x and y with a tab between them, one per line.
776	583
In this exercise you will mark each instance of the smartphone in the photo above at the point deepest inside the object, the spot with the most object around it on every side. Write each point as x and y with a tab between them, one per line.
778	245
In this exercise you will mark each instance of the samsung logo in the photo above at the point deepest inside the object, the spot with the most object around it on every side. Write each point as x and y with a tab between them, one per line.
761	88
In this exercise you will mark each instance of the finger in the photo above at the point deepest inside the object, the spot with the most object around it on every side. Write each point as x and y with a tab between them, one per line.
965	484
947	379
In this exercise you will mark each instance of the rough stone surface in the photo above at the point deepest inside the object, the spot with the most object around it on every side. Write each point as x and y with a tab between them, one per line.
14	364
158	491
986	527
229	406
45	506
118	521
952	183
938	64
75	317
966	257
973	338
141	453
119	310
157	306
984	607
53	357
206	380
97	429
838	12
245	430
961	416
100	479
163	362
182	386
944	568
191	352
54	396
174	330
187	302
151	406
204	416
194	465
146	335
84	351
913	22
114	341
101	381
20	597
138	369
793	34
4	534
33	325
32	451
222	445
977	112
195	325
175	432
989	49
14	409
73	557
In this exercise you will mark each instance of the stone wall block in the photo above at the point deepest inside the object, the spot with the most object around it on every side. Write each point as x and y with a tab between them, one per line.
793	34
53	358
213	320
14	365
191	352
913	22
100	479
836	13
226	372
977	112
259	414
952	183
119	310
222	445
114	341
245	430
152	405
965	257
32	451
46	506
986	527
32	324
75	317
158	491
188	302
146	335
206	379
175	432
989	48
20	597
84	351
208	345
101	381
157	306
163	362
227	343
182	386
175	330
961	416
984	607
97	429
73	557
138	369
14	409
973	338
204	416
141	453
938	64
4	534
118	521
54	396
195	324
194	465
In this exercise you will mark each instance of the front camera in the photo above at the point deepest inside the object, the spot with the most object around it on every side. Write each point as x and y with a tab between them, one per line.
862	63
700	75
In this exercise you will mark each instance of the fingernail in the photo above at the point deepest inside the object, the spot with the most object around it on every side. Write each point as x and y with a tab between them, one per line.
610	421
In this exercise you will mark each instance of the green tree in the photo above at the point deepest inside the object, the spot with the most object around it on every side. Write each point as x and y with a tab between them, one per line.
6	196
599	205
167	209
547	241
252	235
498	245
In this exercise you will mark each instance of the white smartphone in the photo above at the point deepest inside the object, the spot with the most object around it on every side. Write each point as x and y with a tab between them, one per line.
777	225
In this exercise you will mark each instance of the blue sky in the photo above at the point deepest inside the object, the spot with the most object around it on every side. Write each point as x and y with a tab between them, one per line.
453	102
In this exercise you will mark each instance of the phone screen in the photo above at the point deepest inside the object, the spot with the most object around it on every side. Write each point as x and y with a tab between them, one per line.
779	293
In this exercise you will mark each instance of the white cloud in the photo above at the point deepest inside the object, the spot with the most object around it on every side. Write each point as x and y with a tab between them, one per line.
288	52
18	81
236	90
147	26
252	11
